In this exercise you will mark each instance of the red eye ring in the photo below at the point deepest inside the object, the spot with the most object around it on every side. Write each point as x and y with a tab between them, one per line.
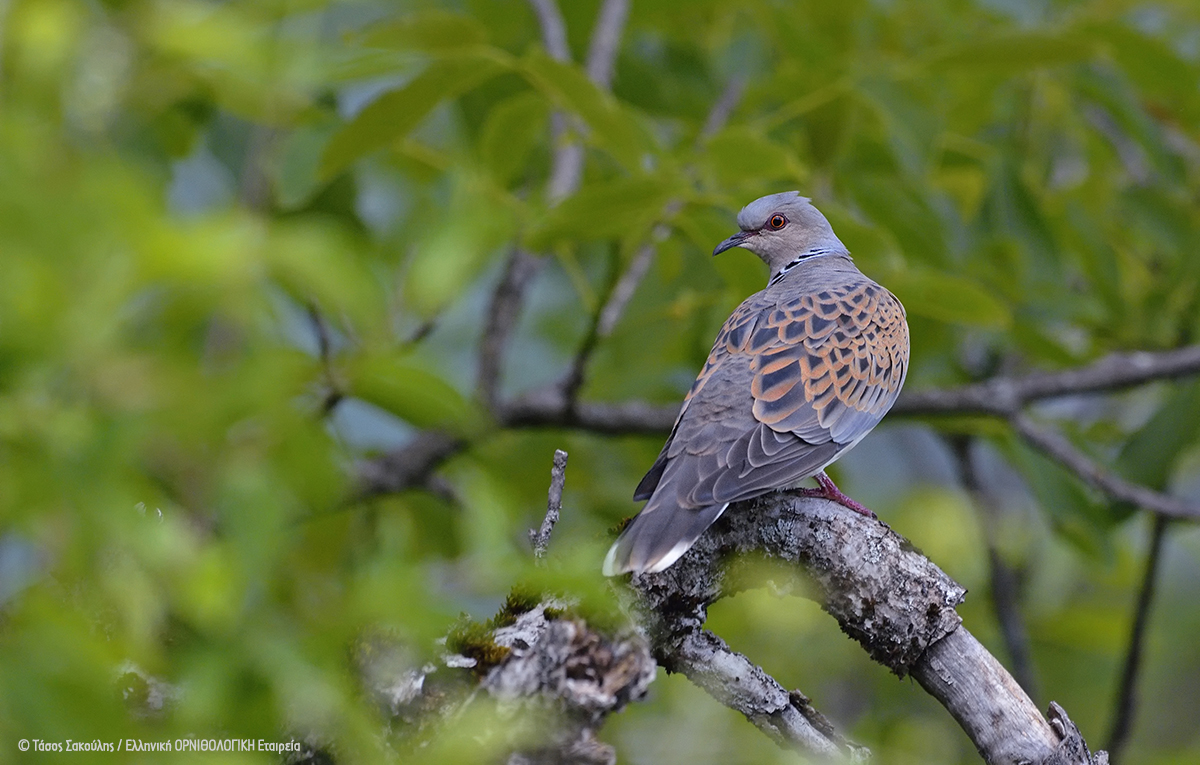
777	221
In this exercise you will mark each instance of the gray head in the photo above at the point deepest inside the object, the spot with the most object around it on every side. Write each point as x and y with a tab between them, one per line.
784	229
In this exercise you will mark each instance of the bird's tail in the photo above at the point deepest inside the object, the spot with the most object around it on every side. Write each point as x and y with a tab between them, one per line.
658	536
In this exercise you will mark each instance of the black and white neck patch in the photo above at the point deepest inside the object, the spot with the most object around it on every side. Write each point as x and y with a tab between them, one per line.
801	258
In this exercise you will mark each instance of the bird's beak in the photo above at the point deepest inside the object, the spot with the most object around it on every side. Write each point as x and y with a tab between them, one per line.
737	240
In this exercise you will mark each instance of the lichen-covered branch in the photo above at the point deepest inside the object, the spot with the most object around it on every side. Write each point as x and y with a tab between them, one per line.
540	537
887	596
549	680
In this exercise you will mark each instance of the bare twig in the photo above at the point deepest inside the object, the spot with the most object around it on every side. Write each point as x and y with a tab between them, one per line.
1005	579
605	320
333	392
567	168
606	39
1003	395
1064	452
502	315
548	407
566	172
554	29
1126	701
718	116
1130	152
998	397
407	467
622	290
540	538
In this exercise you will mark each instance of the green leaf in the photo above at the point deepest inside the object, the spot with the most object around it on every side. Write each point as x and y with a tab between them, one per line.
432	31
451	253
512	130
1076	516
600	211
1149	455
294	170
314	260
416	395
568	86
904	210
739	154
394	114
948	298
1015	52
1151	63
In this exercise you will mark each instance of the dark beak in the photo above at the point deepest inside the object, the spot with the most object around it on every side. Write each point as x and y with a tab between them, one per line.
737	240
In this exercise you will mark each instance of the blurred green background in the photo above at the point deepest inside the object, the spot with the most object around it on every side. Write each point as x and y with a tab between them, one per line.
184	185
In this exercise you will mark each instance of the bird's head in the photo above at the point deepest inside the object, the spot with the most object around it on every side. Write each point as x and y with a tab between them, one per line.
783	228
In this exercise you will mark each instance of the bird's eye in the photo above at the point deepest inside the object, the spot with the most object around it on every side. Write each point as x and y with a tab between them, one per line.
777	221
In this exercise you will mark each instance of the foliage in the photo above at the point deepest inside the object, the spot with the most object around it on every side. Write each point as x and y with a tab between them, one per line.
200	197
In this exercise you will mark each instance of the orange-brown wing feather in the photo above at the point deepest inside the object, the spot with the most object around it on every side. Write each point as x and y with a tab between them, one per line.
820	371
828	366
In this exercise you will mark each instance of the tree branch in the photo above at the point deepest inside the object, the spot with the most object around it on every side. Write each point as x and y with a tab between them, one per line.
735	681
503	312
566	172
1001	396
605	321
540	538
407	467
554	29
895	602
1126	701
718	116
606	40
551	679
1004	579
1064	452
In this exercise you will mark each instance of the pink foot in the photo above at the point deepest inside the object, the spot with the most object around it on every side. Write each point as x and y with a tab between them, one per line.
830	491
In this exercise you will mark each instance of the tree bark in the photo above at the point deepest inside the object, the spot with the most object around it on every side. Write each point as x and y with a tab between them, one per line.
883	593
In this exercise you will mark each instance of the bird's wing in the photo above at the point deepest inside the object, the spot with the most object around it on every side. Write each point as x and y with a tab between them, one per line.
785	389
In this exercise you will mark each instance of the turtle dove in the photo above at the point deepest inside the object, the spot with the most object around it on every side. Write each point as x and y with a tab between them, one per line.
798	375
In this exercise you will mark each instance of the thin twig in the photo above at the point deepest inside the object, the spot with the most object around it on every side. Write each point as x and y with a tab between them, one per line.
333	393
407	467
554	29
566	173
1005	579
718	116
621	292
502	315
566	167
1126	702
606	39
1003	395
540	538
1062	451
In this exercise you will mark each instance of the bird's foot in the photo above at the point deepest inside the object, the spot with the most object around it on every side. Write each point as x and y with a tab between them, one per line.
830	491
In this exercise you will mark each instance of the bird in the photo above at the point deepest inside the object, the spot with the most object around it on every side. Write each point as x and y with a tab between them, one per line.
799	373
